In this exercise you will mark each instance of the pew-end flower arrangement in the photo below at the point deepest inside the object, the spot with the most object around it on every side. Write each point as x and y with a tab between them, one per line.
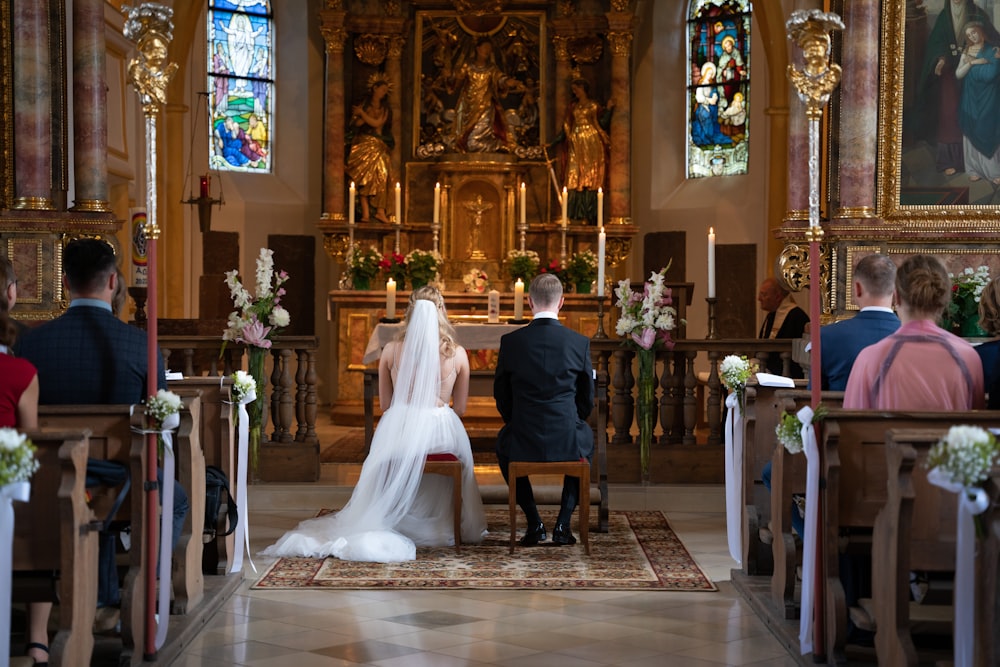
734	373
645	323
789	429
162	409
17	457
246	325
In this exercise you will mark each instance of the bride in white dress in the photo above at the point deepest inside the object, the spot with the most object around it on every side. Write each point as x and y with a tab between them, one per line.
395	506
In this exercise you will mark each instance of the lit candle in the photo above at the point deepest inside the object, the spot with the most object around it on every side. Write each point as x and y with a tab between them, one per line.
711	262
390	299
493	308
524	202
437	202
565	207
399	208
350	205
519	299
600	262
205	186
600	208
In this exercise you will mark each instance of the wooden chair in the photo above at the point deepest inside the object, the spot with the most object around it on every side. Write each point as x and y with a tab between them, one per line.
449	466
579	469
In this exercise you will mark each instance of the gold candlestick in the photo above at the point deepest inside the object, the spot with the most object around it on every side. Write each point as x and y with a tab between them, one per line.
600	319
712	333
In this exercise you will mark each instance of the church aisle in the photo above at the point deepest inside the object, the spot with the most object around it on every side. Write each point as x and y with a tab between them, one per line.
476	627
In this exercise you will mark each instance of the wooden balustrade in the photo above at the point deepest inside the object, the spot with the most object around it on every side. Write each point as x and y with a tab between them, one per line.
678	385
292	383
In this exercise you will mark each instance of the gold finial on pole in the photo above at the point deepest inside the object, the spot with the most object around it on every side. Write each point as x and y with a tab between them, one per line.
811	30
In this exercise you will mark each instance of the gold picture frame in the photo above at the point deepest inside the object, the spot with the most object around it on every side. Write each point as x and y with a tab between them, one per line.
916	192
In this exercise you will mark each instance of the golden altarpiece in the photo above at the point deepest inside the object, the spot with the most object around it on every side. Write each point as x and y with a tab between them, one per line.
477	93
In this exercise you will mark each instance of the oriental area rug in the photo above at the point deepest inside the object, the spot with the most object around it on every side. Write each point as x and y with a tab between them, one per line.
640	552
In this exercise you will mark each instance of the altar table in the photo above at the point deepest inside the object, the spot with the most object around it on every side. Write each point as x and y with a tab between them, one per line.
469	336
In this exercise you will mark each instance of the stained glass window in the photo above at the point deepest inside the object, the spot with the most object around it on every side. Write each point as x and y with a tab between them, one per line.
719	87
240	87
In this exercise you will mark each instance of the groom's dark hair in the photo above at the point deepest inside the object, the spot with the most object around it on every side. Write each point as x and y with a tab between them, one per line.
545	291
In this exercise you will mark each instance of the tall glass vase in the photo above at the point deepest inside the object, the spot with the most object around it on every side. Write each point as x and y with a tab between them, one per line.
646	407
257	410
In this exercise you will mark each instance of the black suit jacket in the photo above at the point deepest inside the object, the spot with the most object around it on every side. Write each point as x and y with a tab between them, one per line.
544	390
87	355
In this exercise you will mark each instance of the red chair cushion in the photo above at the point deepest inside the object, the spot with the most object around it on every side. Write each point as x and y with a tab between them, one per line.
442	457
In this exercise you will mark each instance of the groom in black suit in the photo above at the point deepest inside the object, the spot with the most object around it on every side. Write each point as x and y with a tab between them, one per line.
544	390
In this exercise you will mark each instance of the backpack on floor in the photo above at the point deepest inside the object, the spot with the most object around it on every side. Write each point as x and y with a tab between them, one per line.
217	492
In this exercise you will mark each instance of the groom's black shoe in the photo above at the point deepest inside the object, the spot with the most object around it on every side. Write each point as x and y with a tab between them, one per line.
534	535
561	534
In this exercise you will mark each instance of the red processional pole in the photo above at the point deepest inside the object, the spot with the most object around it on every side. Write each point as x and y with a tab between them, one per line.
150	26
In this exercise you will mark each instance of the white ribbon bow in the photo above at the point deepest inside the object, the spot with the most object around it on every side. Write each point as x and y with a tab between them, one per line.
811	449
734	477
166	525
242	538
972	501
9	493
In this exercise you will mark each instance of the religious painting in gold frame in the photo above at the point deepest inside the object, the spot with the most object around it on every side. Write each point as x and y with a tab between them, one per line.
934	136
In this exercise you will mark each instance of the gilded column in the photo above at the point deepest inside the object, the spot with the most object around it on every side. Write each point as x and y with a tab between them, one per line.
334	35
620	178
395	71
90	126
859	95
32	107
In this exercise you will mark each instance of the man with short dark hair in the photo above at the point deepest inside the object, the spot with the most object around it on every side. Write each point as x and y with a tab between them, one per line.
544	390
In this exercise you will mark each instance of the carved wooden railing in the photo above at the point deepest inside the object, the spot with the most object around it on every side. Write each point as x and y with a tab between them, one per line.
677	385
292	383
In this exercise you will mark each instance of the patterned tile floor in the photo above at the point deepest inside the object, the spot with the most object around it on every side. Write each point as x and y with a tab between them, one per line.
469	627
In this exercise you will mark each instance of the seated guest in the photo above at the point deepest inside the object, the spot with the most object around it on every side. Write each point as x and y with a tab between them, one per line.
841	342
87	355
989	352
19	409
784	319
544	390
920	366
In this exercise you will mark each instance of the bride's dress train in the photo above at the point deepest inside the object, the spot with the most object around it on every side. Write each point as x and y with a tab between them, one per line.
395	507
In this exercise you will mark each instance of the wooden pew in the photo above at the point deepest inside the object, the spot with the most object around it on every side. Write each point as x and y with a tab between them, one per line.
788	476
762	413
900	544
113	436
218	443
853	487
68	547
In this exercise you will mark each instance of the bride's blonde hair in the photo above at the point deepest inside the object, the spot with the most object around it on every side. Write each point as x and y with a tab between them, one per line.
445	330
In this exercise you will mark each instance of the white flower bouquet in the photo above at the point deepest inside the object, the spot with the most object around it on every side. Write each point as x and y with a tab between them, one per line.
965	455
162	405
257	318
647	318
243	385
789	429
17	457
734	372
476	281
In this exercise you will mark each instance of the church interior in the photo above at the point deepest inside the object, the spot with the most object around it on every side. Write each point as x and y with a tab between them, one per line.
331	131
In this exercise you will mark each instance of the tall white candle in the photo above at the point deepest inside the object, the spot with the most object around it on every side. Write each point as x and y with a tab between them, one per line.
493	307
565	207
711	262
350	205
524	204
519	299
437	202
600	208
399	208
390	298
601	238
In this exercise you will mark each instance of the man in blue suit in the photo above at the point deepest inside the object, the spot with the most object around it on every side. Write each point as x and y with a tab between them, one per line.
544	390
840	343
87	355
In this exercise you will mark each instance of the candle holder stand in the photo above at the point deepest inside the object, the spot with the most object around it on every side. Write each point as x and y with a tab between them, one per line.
600	335
389	320
712	333
562	250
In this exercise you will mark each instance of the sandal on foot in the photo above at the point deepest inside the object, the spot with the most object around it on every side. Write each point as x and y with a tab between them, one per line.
40	647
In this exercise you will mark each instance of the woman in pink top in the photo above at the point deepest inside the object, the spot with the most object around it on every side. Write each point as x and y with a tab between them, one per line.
921	366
